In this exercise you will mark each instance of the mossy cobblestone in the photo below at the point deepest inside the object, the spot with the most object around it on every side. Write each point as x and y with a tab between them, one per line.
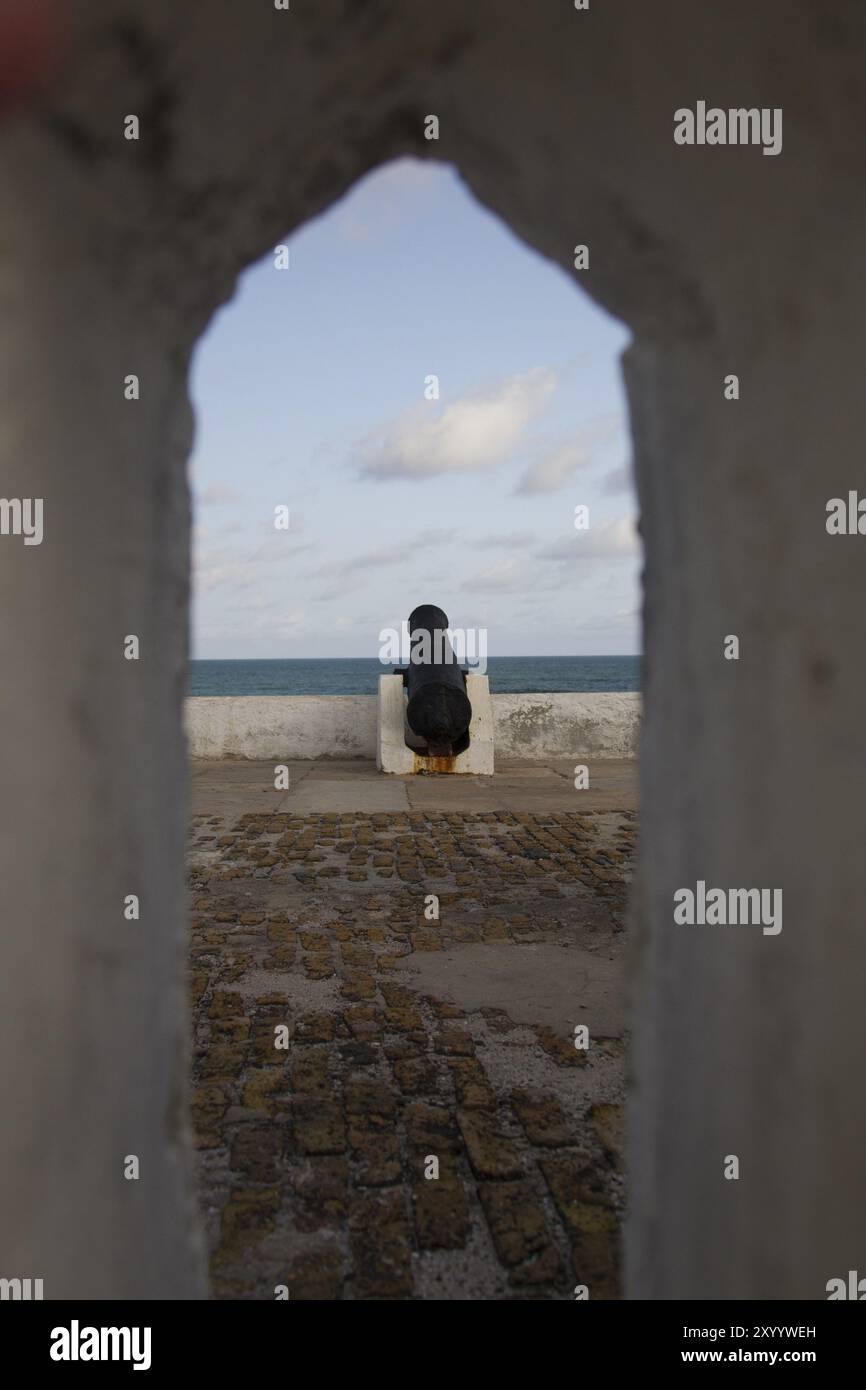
312	1156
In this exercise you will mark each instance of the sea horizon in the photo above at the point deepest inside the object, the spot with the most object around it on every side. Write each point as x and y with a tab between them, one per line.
328	675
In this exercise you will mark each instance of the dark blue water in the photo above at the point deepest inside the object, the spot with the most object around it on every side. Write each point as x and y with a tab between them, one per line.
509	675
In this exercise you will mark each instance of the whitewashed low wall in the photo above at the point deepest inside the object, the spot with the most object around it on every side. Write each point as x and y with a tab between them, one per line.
557	726
344	726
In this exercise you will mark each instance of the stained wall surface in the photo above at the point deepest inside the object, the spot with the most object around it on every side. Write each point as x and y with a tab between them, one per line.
344	726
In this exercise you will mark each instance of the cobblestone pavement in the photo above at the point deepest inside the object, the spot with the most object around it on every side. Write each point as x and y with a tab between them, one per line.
329	1080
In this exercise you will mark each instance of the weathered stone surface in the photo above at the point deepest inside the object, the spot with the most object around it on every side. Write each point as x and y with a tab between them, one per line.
520	1233
255	1152
379	1240
369	1092
264	1089
471	1085
320	1187
609	1122
581	1198
541	1117
318	1126
442	1216
491	1154
595	1259
316	1277
246	1217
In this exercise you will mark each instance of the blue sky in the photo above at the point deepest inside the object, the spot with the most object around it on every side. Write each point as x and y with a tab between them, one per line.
309	393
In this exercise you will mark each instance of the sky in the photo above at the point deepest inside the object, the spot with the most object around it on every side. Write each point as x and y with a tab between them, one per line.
313	400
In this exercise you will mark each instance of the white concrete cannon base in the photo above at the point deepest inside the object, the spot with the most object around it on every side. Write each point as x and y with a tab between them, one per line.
393	754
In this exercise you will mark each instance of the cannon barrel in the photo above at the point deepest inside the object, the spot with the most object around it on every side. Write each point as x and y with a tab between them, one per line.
438	708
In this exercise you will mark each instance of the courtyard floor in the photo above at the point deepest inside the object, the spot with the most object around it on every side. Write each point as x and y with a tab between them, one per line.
350	1044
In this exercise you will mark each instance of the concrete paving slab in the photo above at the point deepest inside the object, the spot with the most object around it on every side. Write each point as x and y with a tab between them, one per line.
230	803
229	786
549	984
477	794
342	770
241	772
362	794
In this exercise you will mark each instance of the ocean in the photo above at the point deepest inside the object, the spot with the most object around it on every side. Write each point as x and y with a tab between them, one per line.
509	675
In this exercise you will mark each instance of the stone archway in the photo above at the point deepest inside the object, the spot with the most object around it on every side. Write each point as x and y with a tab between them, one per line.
113	256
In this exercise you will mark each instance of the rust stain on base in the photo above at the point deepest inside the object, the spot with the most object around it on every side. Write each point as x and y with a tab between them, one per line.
423	764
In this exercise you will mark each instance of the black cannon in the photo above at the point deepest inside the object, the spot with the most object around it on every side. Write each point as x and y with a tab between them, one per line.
438	709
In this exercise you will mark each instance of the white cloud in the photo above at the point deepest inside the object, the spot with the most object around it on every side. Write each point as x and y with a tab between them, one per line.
360	564
221	567
278	548
255	602
240	568
554	469
511	540
384	557
511	576
605	540
475	433
289	623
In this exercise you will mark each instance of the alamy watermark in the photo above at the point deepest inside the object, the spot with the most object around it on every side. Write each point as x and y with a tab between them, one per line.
77	1343
22	516
20	1290
846	516
851	1288
737	126
704	906
462	646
